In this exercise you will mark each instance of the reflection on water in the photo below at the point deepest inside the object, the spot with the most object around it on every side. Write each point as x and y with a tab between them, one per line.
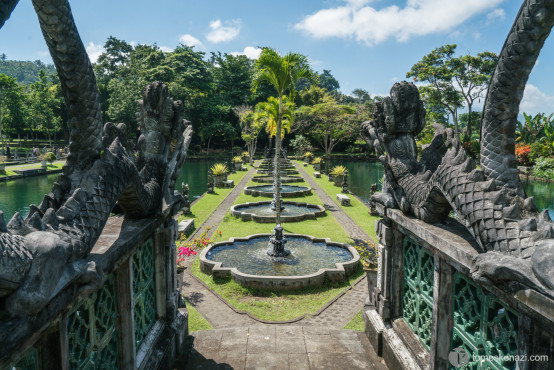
17	195
543	193
363	174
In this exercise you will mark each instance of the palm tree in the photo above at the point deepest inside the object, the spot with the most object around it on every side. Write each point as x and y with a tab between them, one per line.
282	72
268	113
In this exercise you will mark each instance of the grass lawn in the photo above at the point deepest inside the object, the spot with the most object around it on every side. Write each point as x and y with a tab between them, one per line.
264	304
323	227
273	306
10	169
357	211
209	202
357	323
196	320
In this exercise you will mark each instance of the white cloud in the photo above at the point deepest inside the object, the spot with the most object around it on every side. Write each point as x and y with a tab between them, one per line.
497	13
372	26
221	33
535	101
165	49
250	51
190	40
94	51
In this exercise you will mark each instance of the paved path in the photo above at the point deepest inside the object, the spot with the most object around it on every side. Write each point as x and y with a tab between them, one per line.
351	227
216	217
282	347
241	342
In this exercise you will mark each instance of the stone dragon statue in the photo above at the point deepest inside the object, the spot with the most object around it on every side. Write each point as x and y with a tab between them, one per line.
516	241
101	171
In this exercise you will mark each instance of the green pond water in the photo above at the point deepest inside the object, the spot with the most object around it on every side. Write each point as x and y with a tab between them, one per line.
363	174
17	195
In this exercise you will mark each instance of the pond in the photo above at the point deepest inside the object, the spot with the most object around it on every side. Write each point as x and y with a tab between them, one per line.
363	174
17	195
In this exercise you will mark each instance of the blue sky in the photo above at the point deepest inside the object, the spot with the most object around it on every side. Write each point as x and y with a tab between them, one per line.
368	44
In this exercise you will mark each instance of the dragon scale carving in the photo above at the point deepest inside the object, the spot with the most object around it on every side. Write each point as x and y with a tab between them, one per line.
101	170
516	241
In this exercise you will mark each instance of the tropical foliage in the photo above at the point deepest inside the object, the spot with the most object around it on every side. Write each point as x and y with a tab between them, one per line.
338	171
454	82
219	169
544	167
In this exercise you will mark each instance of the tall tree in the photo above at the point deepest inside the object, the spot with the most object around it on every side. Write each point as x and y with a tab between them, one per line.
282	72
454	80
328	82
332	123
232	76
11	106
43	101
250	128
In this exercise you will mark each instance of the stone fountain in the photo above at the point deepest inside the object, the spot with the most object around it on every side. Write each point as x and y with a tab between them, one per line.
266	211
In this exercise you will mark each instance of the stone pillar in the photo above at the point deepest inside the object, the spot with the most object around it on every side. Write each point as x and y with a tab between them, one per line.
385	283
161	249
126	322
51	348
442	313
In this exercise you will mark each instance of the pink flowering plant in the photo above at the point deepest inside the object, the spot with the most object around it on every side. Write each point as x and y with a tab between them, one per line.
187	248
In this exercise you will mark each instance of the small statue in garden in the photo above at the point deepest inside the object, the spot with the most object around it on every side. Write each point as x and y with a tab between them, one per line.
210	184
345	183
186	203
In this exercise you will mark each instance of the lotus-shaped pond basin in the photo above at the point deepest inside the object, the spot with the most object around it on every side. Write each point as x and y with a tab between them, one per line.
287	191
311	260
284	179
291	211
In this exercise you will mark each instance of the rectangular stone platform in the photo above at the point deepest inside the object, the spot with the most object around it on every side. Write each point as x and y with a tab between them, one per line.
317	175
30	171
228	183
343	199
186	227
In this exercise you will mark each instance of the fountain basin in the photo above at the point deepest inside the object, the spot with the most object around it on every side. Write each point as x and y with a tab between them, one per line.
282	171
287	191
312	260
292	211
284	179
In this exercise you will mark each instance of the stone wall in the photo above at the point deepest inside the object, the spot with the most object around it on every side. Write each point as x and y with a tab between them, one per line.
133	322
429	314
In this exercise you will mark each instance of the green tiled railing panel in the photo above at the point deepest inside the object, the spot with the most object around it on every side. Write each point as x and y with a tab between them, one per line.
467	309
484	326
425	323
500	331
144	293
417	290
91	330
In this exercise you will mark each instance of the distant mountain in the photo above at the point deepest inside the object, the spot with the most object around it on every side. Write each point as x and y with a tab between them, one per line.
26	72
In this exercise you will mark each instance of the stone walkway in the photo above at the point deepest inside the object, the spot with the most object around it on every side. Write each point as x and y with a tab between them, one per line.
282	347
239	341
216	217
349	225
